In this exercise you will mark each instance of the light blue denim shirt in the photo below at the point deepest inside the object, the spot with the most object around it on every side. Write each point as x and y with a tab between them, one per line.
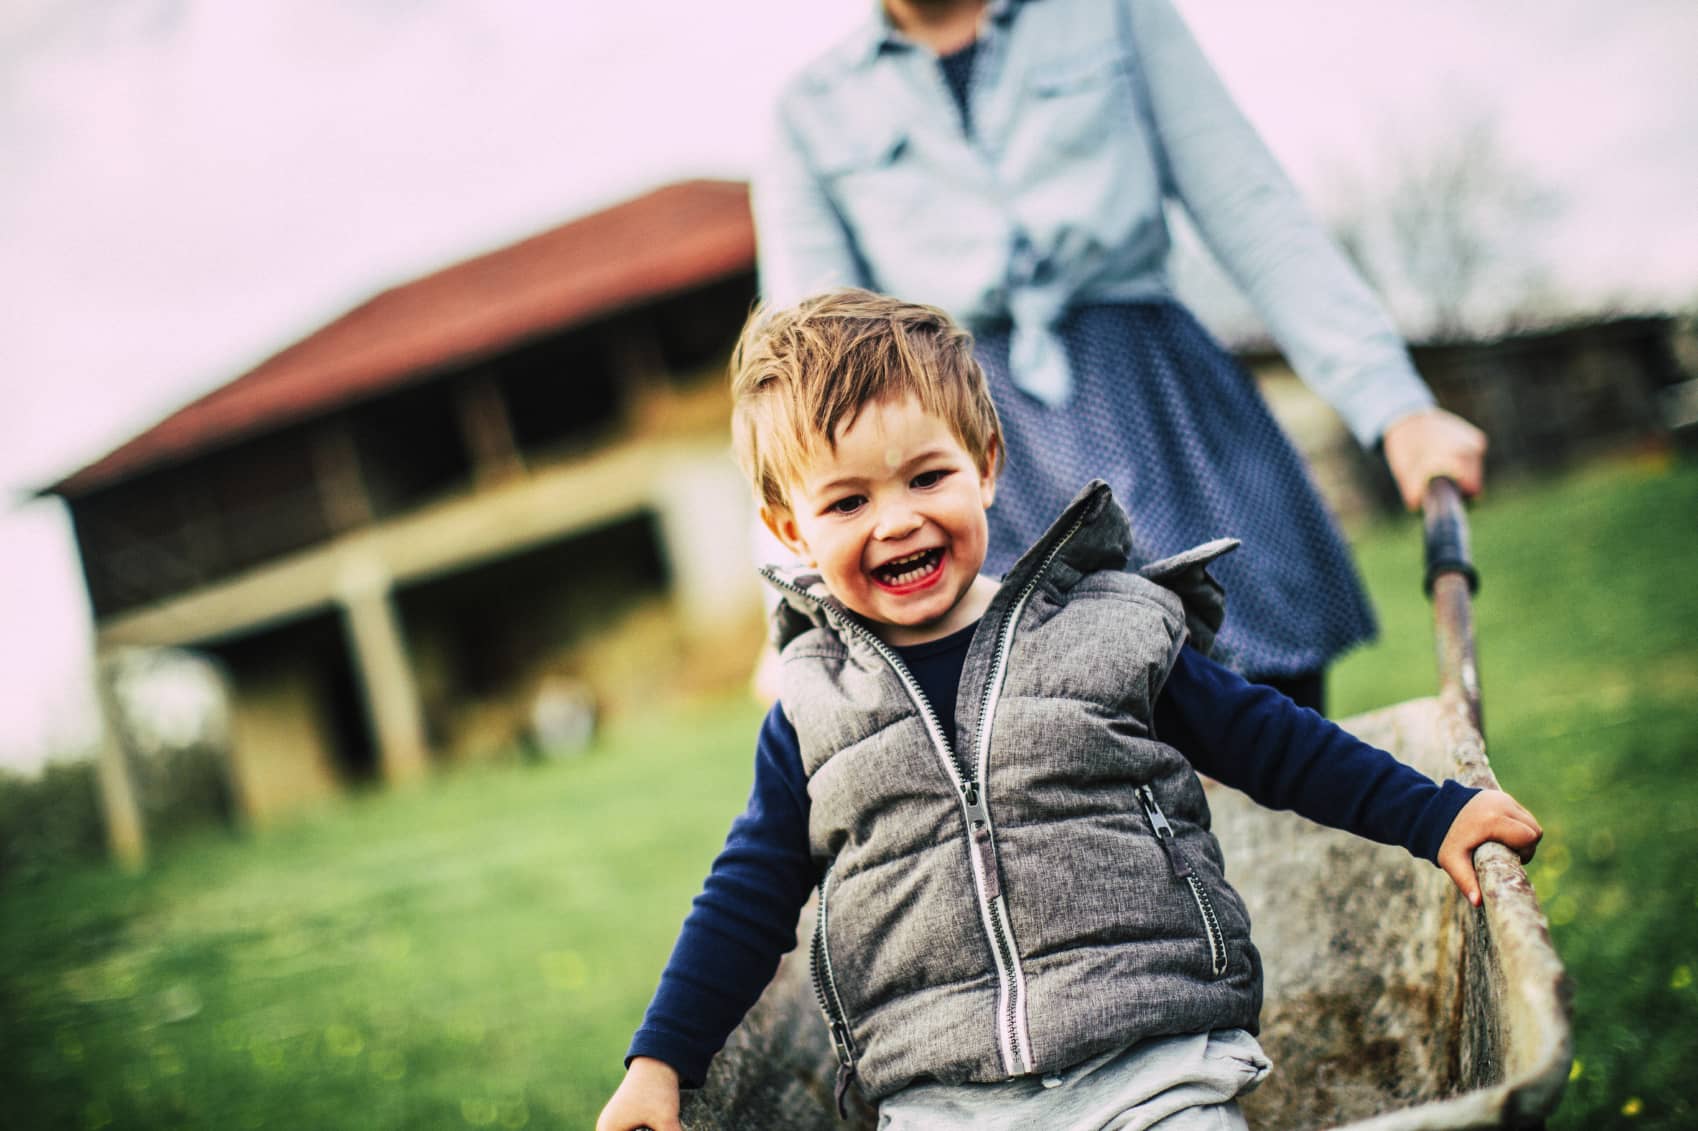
1087	116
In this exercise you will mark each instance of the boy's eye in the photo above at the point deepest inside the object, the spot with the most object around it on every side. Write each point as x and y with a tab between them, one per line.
929	478
849	504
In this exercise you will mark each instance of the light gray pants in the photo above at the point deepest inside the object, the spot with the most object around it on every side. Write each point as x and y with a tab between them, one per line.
1185	1083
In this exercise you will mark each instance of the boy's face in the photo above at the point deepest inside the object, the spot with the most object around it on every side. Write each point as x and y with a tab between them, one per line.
894	520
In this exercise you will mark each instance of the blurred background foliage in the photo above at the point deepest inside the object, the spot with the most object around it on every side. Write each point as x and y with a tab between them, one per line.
474	952
49	820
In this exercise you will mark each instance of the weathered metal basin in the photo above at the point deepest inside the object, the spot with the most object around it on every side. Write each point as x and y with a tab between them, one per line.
1391	1004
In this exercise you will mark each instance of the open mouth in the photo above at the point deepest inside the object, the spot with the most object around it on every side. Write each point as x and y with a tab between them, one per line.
909	571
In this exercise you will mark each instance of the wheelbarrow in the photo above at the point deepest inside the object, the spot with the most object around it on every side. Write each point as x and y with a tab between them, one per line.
1390	1002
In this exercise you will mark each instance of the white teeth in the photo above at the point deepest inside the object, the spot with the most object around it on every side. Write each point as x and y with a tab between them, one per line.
920	563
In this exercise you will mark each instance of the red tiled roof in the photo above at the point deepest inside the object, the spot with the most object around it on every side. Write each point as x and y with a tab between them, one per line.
671	239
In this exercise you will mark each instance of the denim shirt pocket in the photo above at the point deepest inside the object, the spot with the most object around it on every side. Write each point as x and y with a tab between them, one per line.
857	150
1081	100
873	176
1078	74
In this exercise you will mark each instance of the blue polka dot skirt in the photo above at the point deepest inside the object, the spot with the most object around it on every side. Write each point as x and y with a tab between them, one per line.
1178	429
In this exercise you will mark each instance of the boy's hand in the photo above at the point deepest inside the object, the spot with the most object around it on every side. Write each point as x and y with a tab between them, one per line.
1490	814
647	1098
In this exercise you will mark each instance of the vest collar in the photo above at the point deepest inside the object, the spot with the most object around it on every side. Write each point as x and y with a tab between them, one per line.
1091	534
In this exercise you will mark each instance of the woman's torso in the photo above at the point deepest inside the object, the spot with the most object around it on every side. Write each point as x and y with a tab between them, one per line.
1055	193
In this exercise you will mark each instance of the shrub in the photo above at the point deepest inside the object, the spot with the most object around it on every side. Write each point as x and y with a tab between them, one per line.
49	821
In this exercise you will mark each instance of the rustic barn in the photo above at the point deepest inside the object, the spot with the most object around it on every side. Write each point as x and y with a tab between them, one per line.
400	533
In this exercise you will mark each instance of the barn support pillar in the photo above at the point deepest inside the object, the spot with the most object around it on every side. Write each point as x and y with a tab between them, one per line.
126	835
379	651
705	528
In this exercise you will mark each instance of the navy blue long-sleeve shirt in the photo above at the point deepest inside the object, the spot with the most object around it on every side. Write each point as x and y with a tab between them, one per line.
1245	735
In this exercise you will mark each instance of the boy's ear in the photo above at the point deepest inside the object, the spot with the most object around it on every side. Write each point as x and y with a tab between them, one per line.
782	522
987	477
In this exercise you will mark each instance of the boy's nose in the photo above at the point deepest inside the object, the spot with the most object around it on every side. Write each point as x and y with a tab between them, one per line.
896	521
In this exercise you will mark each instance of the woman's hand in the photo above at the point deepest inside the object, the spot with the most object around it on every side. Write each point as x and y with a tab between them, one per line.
648	1098
1431	443
1490	815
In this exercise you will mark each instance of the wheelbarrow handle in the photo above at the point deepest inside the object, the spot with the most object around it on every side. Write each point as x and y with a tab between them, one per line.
1445	534
1451	581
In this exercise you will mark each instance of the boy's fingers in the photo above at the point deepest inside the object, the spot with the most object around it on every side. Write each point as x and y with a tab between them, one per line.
1513	825
1493	816
1460	869
1471	886
1519	836
1520	812
1529	842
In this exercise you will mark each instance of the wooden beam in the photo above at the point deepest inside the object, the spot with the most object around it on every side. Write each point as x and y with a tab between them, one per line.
487	429
341	487
126	835
378	649
444	537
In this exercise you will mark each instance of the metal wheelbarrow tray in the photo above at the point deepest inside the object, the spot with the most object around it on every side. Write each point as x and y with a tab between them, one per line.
1390	1002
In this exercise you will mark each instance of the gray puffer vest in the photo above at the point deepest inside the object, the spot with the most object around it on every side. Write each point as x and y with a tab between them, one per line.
1048	889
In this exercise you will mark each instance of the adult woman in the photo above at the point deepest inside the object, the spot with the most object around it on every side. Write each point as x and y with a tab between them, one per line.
1009	161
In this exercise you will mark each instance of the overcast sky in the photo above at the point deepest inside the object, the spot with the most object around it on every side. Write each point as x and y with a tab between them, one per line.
187	187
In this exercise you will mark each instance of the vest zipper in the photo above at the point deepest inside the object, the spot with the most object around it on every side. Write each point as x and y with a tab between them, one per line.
1014	1040
831	1005
1166	840
1016	1032
981	851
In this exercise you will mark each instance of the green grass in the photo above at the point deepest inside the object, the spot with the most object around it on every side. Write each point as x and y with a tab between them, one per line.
474	953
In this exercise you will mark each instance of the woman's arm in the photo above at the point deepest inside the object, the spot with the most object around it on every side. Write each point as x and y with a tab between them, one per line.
1333	328
802	242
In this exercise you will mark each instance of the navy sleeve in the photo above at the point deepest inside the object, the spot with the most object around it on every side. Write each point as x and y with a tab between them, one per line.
1288	757
743	921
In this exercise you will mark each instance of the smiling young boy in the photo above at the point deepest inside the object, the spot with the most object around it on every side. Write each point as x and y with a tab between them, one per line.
1023	918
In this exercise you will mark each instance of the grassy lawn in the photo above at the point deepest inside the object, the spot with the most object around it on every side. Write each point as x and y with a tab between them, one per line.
474	953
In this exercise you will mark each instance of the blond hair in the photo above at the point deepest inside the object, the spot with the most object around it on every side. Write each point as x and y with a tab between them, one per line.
802	373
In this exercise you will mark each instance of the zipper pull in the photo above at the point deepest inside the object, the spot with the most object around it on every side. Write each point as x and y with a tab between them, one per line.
840	1041
977	811
1158	819
845	1046
978	820
1163	830
845	1075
